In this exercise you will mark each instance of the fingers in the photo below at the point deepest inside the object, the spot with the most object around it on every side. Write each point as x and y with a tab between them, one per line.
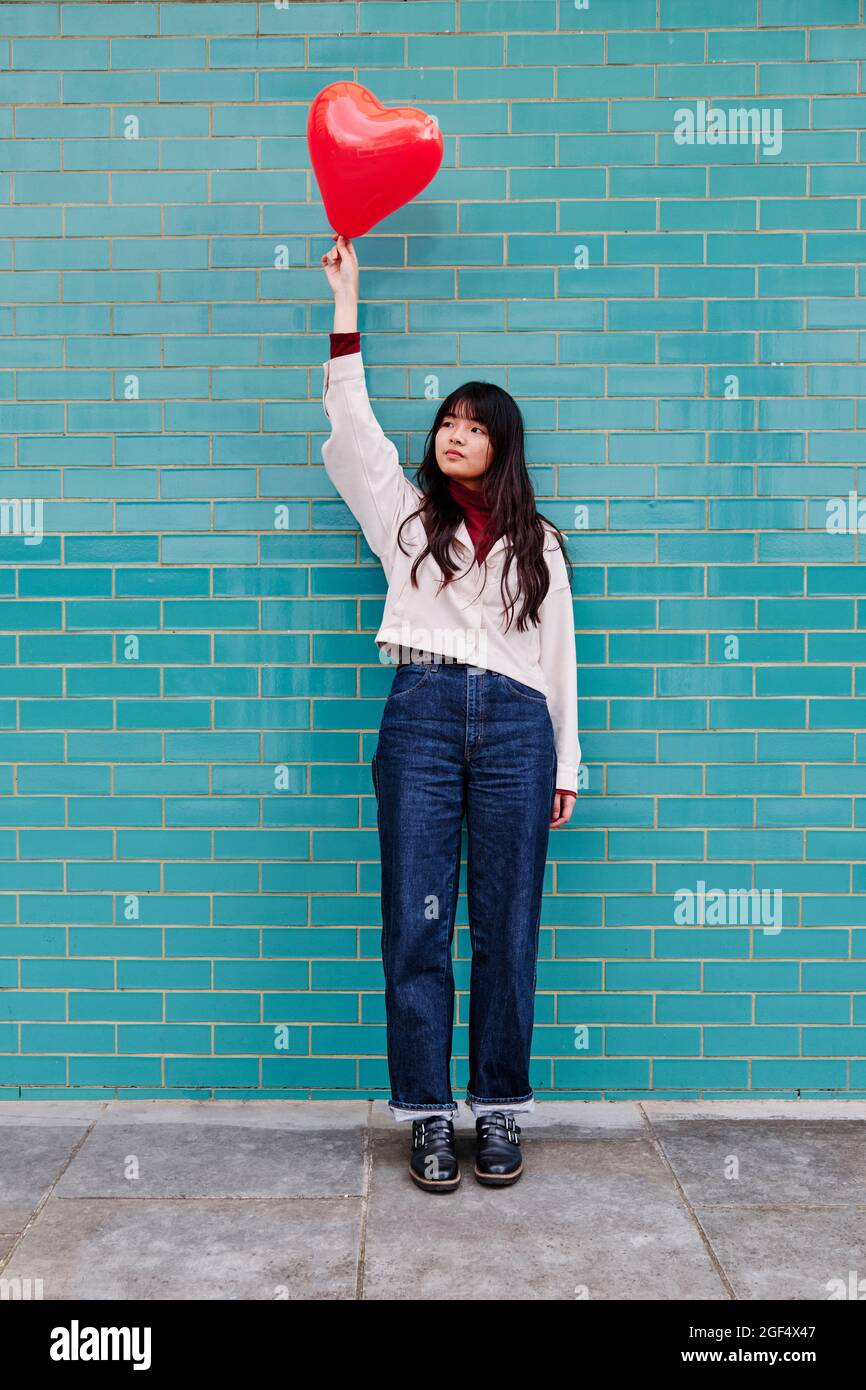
560	813
342	252
342	248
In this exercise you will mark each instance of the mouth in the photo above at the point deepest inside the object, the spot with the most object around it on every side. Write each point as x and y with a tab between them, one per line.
453	454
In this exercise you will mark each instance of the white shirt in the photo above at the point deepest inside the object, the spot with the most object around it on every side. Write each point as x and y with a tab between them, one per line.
466	621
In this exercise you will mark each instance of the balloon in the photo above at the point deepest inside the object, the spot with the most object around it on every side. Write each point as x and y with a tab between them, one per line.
369	160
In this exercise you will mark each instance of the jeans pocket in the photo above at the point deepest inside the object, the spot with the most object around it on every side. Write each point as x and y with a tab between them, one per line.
408	679
526	692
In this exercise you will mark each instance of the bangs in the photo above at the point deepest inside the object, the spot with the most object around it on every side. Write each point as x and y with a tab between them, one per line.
470	405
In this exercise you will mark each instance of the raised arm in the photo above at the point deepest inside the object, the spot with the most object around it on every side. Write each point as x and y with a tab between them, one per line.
360	460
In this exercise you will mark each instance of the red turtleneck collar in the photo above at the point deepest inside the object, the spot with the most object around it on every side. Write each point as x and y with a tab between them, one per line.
477	513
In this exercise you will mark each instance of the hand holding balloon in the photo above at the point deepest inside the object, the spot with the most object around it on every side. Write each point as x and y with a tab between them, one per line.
340	265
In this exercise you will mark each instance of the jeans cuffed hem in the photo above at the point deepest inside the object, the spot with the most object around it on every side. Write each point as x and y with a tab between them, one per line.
510	1104
497	1103
401	1111
520	1108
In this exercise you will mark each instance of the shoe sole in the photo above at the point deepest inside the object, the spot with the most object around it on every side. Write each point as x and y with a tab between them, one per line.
435	1185
499	1179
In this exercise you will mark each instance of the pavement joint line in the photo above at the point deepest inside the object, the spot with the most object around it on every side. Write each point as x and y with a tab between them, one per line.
43	1201
365	1202
690	1210
782	1206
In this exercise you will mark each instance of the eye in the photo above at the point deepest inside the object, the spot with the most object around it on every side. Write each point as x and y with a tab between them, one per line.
447	421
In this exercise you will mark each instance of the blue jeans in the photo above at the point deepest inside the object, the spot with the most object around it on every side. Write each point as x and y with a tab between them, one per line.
458	739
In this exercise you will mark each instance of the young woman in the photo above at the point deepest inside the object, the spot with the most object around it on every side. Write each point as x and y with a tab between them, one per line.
481	720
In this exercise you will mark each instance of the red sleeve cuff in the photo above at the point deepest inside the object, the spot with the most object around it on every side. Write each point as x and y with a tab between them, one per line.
563	791
343	343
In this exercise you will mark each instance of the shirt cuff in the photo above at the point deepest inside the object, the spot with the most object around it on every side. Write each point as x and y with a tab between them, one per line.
344	343
565	791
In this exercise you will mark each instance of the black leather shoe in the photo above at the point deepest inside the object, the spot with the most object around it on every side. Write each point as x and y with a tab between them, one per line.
498	1160
433	1160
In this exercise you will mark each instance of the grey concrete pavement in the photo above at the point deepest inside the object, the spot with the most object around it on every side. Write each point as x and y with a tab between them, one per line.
312	1200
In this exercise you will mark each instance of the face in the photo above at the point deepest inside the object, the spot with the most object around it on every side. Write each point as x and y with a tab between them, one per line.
463	449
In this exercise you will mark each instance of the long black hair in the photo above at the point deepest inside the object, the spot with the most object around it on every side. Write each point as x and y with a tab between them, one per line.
507	490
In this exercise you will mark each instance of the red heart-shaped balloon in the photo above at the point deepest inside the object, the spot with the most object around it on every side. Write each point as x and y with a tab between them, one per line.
368	160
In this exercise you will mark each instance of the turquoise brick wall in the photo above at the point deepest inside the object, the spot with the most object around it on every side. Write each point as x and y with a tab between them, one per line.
189	688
